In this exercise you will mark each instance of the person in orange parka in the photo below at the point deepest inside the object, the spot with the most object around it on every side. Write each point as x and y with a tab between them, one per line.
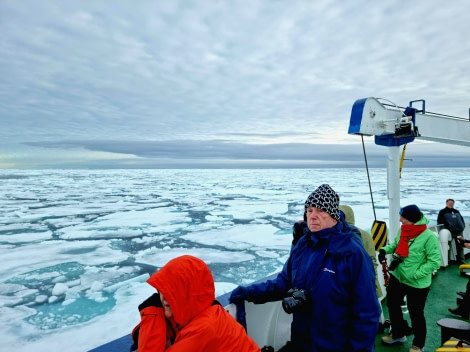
185	316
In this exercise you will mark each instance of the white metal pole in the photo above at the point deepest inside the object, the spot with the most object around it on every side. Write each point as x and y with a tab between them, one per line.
393	182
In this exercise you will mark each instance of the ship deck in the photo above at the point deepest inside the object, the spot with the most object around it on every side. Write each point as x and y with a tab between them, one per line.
441	297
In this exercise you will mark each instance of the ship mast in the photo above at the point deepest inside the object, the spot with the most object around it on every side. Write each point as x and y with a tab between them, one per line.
393	127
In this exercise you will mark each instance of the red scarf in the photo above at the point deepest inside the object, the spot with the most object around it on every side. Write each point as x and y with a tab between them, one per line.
408	232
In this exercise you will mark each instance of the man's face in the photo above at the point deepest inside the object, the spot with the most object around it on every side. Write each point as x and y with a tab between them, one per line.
318	219
450	204
405	221
166	307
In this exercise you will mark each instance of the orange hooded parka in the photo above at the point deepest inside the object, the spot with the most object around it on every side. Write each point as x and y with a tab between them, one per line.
199	323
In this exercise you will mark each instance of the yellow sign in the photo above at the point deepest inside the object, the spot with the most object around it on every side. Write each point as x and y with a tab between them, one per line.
379	234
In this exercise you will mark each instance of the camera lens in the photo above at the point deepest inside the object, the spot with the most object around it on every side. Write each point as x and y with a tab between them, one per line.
289	304
298	301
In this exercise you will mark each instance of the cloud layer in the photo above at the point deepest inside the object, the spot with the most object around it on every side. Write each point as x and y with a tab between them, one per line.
227	80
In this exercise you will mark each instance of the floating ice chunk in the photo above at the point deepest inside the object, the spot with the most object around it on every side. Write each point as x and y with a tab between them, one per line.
40	299
73	283
149	239
159	257
52	299
10	288
252	237
26	292
141	278
96	286
267	254
126	224
9	301
73	293
59	289
215	218
96	296
223	287
96	292
60	278
28	237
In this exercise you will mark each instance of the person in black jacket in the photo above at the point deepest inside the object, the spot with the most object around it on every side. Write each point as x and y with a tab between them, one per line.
454	222
298	230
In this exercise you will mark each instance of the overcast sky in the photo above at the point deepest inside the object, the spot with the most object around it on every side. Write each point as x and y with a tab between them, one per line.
119	84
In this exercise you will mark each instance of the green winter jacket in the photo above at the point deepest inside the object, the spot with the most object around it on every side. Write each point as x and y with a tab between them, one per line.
424	257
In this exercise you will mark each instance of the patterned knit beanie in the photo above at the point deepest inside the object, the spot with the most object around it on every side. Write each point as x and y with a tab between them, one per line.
325	198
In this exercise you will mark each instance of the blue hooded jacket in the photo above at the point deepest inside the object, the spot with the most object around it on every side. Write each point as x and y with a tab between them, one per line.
338	274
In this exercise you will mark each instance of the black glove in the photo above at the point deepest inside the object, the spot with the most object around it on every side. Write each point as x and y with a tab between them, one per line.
153	300
382	255
267	349
239	295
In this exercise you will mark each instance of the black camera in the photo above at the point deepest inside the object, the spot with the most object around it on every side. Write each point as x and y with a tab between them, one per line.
297	301
396	260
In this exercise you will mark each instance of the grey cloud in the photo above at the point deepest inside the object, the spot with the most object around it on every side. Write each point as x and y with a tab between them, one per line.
223	153
237	70
189	149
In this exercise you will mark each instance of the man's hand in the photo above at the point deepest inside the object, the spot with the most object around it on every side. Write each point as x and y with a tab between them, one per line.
238	295
463	242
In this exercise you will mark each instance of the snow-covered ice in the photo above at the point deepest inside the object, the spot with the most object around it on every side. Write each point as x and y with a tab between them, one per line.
77	246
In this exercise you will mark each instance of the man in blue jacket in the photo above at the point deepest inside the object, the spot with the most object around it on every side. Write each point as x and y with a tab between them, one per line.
327	283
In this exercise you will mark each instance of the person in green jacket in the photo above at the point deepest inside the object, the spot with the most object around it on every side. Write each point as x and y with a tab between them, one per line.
367	240
416	254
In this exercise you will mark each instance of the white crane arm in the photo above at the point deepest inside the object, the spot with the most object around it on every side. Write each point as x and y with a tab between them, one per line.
370	117
392	127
